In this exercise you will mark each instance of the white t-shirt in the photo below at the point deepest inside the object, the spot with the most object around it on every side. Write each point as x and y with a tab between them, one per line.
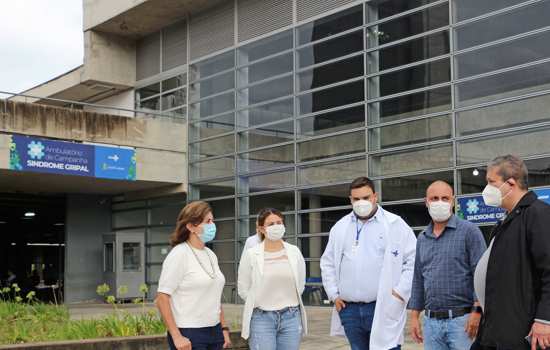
195	296
252	241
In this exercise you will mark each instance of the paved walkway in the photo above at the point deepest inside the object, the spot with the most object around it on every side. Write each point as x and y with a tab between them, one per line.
318	317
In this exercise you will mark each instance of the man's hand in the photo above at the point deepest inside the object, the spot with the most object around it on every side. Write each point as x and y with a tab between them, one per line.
416	328
540	334
472	325
339	303
226	340
395	294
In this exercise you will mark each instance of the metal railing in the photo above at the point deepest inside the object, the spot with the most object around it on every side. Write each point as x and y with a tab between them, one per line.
77	105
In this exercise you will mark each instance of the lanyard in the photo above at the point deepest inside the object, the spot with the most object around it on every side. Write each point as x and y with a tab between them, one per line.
358	229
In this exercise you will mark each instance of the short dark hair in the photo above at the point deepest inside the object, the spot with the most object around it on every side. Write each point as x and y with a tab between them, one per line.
511	166
362	182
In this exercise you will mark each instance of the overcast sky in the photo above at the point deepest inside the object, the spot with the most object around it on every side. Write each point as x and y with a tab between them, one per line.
39	40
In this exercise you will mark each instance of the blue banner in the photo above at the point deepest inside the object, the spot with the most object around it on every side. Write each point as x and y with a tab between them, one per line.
71	158
474	209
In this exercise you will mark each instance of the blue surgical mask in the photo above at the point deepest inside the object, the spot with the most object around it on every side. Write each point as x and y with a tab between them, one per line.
208	232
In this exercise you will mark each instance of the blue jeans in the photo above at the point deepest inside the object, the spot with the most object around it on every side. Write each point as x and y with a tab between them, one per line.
446	334
205	338
276	330
357	321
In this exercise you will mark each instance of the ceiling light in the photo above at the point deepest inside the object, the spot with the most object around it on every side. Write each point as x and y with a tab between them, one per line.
3	222
59	224
475	172
30	214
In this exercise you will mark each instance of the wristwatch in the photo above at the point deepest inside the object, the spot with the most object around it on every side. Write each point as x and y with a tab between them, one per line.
225	328
477	309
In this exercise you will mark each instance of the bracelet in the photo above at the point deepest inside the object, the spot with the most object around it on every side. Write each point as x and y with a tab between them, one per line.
225	329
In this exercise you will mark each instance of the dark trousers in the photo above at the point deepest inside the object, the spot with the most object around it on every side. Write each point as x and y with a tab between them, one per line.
205	338
357	321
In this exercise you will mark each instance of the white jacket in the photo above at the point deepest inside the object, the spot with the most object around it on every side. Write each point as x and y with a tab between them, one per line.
251	274
397	274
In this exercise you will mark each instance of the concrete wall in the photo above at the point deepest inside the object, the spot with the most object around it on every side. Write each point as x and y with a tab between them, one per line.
109	58
122	100
88	218
99	11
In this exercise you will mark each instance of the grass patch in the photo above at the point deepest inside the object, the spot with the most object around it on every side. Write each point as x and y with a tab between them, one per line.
36	322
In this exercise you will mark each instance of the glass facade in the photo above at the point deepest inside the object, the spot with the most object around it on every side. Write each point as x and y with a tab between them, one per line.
403	91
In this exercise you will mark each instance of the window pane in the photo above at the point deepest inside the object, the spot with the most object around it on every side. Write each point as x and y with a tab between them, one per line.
409	52
539	172
417	77
221	167
330	49
414	214
331	73
153	275
225	229
266	113
266	91
266	159
418	131
320	222
225	251
519	21
266	182
465	9
377	10
148	91
413	105
411	187
265	69
409	160
522	144
265	47
505	115
331	98
514	83
159	234
325	123
131	256
212	66
212	147
265	136
174	99
218	125
228	271
213	189
331	25
403	27
175	82
332	172
212	106
108	258
472	180
324	197
165	215
156	254
129	218
283	201
151	104
334	146
520	51
224	208
313	247
211	86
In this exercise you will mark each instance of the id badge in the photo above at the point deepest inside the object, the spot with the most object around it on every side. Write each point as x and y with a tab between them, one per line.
355	247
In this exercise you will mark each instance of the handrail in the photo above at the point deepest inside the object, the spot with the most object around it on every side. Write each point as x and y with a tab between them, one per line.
72	103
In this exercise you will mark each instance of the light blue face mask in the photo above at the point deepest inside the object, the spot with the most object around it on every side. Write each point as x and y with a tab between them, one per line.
208	232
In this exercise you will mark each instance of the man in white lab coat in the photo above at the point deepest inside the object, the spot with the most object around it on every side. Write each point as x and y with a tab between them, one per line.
367	271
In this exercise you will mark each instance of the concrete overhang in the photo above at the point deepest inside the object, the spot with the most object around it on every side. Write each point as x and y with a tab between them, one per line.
137	18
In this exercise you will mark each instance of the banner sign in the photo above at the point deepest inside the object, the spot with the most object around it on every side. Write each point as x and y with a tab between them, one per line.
71	158
473	208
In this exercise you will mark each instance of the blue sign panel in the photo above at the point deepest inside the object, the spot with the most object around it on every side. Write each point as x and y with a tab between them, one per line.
115	163
71	158
475	210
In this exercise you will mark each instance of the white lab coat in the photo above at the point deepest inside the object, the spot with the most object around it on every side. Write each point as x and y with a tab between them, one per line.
251	275
397	273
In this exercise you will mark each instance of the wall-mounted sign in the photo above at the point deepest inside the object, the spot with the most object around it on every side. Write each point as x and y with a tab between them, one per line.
474	209
71	158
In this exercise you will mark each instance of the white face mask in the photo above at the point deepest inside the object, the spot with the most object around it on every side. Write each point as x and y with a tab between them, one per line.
440	211
362	208
492	195
275	232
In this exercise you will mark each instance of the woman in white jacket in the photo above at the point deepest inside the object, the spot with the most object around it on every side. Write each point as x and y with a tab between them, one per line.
271	281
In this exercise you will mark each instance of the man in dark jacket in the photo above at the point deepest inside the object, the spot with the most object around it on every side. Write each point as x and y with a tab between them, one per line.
517	277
